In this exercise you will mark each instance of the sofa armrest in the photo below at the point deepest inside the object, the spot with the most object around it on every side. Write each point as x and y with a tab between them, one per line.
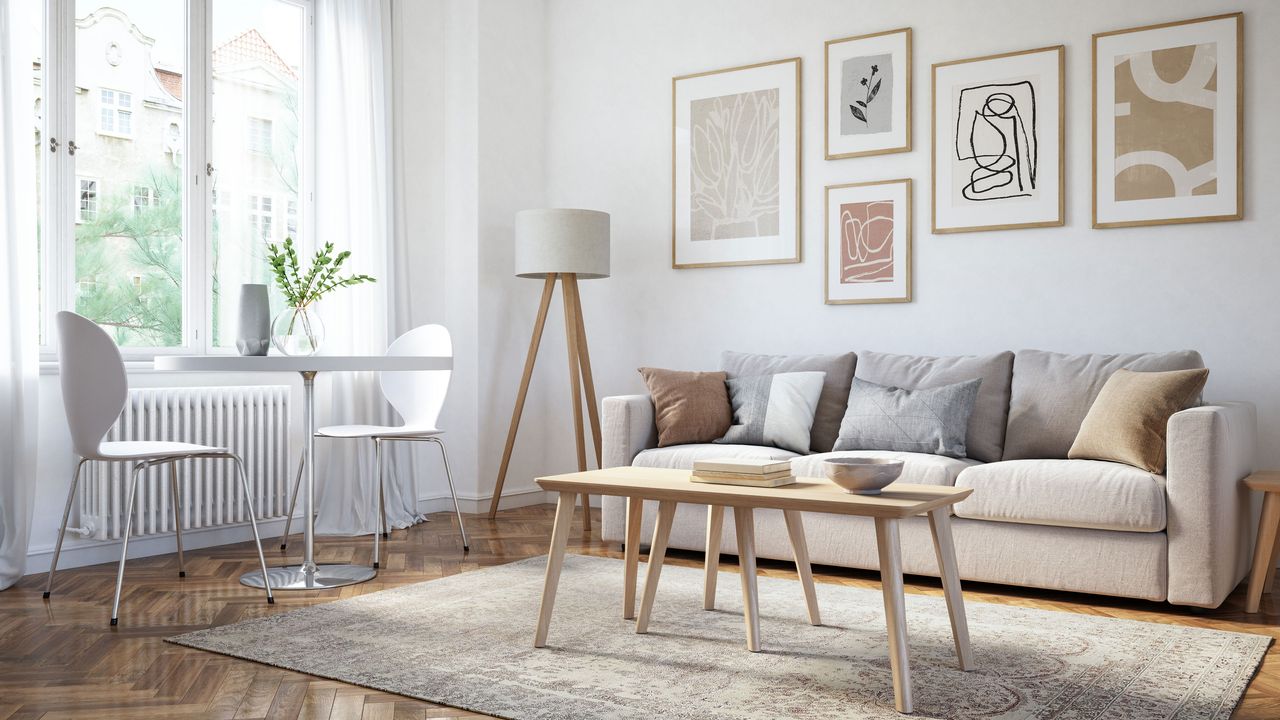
628	429
1210	450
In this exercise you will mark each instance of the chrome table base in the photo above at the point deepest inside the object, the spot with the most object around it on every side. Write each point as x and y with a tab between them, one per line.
294	577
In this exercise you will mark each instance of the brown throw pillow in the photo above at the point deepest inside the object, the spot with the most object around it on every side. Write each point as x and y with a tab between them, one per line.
688	407
1128	420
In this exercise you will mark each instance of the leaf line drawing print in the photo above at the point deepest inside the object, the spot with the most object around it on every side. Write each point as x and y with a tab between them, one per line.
860	108
734	166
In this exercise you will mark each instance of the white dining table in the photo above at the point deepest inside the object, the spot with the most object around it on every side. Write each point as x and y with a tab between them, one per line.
308	575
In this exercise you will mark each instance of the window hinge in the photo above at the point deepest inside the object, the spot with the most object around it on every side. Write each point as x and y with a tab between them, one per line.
71	147
53	145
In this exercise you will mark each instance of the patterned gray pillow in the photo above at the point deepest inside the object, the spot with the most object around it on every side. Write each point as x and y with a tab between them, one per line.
775	410
927	420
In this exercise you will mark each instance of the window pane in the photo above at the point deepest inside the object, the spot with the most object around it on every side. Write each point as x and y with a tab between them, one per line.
130	61
257	65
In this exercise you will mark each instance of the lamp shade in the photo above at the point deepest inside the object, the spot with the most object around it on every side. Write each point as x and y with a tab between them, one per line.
562	241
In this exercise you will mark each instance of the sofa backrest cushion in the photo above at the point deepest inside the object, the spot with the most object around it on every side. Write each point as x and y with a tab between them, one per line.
835	387
985	437
1052	393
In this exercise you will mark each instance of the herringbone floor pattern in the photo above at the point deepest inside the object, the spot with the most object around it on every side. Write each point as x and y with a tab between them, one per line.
60	659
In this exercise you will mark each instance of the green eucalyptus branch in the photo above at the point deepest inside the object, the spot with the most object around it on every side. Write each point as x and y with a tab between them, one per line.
300	288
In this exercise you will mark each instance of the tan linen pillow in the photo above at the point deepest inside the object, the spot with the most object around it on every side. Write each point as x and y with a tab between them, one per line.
688	407
1128	419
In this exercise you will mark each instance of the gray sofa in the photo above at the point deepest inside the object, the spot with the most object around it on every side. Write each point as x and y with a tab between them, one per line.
1035	518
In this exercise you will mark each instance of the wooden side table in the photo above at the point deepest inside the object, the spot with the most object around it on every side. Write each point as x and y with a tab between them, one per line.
1263	575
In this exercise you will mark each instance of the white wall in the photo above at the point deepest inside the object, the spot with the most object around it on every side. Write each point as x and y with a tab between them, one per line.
1208	286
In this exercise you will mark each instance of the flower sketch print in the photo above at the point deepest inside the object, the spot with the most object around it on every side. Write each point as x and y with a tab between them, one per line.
860	108
866	95
734	168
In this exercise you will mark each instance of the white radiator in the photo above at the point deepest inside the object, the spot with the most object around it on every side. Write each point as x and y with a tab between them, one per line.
252	421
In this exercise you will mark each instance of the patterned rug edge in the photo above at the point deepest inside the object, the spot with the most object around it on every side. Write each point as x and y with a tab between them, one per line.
1223	712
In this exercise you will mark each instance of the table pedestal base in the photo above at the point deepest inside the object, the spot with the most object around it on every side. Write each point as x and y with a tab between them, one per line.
293	577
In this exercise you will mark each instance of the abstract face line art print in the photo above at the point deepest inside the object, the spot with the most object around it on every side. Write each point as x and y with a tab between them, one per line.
997	143
866	242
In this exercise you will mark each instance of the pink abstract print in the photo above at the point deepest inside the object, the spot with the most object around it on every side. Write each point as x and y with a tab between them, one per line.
866	242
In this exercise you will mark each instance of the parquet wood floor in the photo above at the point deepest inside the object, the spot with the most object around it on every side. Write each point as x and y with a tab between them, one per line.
61	660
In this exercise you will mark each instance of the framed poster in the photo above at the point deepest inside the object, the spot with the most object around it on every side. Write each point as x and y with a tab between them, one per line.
868	256
998	142
868	96
735	166
1168	123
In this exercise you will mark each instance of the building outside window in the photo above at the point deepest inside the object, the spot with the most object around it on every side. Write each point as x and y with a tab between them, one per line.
143	197
260	218
260	136
116	112
88	201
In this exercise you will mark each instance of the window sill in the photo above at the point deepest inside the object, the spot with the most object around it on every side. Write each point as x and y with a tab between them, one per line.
132	367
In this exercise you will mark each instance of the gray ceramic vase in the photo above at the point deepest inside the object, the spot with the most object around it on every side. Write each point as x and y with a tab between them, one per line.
253	335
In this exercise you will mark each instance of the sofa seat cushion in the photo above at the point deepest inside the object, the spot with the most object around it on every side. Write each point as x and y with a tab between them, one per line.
917	469
682	457
1065	493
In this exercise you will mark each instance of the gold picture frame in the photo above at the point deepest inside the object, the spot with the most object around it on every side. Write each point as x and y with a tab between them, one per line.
907	214
794	249
1060	171
1238	211
906	91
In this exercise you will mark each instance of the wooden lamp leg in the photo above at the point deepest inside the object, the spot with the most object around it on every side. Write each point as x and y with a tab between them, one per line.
548	289
575	387
584	358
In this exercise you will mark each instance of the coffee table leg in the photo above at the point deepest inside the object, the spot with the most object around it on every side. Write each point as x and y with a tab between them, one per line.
657	553
555	561
940	525
894	610
744	521
800	549
711	566
1262	551
631	556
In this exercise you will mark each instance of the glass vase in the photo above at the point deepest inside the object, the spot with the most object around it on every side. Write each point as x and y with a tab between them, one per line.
297	331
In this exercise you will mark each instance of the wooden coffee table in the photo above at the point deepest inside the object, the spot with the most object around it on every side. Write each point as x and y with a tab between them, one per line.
669	487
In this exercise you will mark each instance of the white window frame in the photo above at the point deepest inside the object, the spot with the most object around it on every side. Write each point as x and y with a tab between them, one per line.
60	185
116	111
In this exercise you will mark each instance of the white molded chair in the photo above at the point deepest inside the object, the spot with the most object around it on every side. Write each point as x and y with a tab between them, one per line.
418	396
94	391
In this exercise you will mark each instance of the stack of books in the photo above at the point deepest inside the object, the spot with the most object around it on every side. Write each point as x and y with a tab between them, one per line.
753	472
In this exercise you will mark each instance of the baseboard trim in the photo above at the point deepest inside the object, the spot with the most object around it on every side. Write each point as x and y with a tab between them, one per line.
80	553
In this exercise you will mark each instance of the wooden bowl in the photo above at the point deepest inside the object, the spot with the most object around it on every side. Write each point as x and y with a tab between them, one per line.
862	476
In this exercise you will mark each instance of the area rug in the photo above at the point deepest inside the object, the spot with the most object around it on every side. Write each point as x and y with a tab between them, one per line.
467	641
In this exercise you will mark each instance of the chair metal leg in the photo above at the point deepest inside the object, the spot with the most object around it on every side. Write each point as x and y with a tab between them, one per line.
66	515
253	523
124	545
177	520
382	506
293	504
466	546
377	471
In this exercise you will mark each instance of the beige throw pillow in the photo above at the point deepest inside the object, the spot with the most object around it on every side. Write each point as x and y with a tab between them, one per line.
688	407
1128	420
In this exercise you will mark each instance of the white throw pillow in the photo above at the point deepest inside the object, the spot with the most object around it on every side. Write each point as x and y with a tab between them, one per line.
775	410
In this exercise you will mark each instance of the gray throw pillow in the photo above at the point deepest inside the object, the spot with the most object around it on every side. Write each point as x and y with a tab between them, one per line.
835	387
775	410
926	420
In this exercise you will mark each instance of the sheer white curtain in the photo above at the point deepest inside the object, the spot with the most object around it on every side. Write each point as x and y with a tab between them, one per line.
353	211
18	352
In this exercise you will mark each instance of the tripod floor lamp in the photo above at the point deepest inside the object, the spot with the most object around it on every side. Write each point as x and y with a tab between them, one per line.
560	245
